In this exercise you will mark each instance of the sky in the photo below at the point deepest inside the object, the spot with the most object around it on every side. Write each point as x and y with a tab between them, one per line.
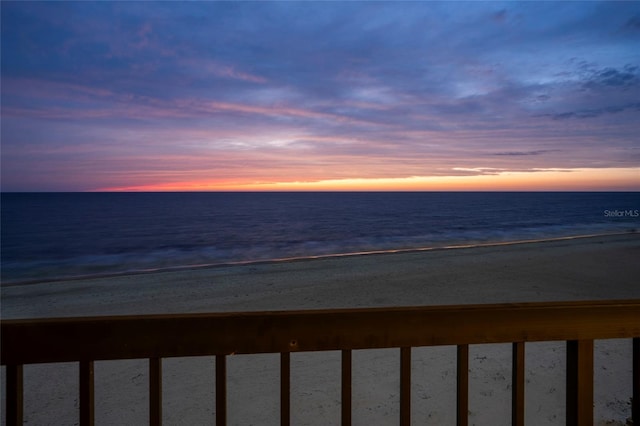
218	96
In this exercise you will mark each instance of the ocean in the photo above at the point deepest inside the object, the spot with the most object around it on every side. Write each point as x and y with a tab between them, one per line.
50	236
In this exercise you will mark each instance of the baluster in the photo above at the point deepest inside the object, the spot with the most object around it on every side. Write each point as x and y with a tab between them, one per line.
86	393
285	388
463	386
405	386
346	387
14	394
517	385
155	391
221	390
579	382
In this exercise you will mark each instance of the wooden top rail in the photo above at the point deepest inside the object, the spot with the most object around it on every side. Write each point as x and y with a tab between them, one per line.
153	336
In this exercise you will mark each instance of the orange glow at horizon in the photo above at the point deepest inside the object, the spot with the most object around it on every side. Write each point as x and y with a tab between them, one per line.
625	179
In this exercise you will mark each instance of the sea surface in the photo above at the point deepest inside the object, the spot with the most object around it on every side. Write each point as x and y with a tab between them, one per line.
49	236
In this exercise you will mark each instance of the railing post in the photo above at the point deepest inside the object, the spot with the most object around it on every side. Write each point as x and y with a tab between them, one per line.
14	397
462	404
405	386
346	387
579	382
86	393
635	408
517	385
155	391
221	390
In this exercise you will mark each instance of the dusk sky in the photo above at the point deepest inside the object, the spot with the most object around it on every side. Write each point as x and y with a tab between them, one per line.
171	96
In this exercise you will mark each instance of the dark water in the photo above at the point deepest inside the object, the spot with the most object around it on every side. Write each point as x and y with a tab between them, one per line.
54	235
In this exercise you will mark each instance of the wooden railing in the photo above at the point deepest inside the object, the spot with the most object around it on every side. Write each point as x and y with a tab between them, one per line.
221	334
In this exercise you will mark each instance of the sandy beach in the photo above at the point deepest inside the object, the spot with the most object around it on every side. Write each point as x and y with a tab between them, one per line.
601	267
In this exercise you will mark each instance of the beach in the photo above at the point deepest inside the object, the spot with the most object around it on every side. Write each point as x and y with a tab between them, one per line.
590	268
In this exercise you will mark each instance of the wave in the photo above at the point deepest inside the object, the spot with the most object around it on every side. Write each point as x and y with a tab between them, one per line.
82	271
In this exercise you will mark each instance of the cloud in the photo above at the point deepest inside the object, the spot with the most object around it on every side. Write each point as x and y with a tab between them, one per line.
500	16
523	153
593	113
227	71
347	90
589	91
627	77
633	23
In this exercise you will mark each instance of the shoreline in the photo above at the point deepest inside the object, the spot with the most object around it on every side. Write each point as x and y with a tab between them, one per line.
180	268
